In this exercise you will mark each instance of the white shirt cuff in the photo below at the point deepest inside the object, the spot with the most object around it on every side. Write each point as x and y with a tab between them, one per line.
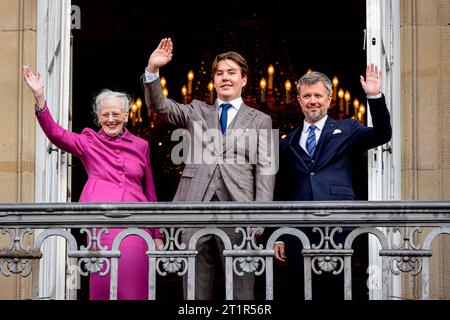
378	96
150	77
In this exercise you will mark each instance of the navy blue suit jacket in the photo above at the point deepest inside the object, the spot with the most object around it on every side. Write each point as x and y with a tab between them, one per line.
328	175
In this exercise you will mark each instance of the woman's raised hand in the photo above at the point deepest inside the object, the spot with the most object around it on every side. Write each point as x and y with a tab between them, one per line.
34	82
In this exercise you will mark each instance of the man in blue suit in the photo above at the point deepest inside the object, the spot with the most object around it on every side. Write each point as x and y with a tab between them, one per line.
317	158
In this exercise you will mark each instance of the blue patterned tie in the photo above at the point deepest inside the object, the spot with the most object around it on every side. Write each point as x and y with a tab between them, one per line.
311	140
224	116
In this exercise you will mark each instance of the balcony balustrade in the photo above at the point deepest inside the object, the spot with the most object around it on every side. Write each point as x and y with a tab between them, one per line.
395	225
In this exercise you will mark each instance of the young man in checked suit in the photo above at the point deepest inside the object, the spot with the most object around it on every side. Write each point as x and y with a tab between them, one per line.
219	167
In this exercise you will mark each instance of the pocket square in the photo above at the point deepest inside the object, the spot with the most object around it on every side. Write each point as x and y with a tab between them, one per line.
337	131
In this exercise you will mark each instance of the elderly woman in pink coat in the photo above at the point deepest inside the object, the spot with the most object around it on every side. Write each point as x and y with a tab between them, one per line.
118	167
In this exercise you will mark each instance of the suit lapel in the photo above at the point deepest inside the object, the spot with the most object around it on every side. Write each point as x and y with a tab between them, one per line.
212	117
294	146
325	137
241	121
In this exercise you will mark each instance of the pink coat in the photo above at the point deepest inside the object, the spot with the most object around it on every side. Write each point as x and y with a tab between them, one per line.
118	168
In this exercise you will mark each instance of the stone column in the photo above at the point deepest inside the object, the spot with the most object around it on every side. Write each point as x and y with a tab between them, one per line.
18	47
425	56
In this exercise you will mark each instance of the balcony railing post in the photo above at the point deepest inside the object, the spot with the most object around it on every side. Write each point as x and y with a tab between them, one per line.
73	279
426	278
35	279
308	278
348	278
229	275
269	278
386	276
191	279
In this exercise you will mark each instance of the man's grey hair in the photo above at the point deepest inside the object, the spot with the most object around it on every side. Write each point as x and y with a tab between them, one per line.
107	94
313	78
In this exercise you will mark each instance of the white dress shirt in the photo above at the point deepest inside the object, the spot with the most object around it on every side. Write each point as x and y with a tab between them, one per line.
232	112
150	77
378	96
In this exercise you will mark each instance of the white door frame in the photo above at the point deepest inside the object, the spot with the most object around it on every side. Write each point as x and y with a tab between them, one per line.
53	62
384	171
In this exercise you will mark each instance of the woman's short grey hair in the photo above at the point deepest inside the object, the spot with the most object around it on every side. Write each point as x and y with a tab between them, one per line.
313	78
107	94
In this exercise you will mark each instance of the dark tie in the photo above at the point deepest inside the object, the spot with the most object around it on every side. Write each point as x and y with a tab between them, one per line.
224	116
311	140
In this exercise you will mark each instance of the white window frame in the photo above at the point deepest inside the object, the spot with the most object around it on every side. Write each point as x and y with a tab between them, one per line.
384	168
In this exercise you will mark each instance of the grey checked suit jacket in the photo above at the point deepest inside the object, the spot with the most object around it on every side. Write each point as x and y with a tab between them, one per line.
246	156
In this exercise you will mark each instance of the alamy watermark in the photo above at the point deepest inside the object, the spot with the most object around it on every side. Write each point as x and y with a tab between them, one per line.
373	280
75	17
200	146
